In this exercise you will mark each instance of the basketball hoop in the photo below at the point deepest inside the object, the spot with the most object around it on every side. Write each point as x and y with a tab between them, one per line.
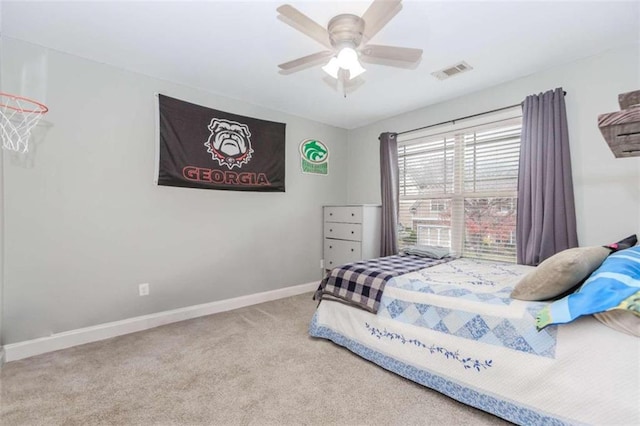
18	115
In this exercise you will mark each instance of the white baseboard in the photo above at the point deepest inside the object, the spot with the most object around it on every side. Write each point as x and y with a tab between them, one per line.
80	336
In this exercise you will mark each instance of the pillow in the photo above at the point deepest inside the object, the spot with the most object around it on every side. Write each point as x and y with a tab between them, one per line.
434	252
559	273
620	320
630	241
614	285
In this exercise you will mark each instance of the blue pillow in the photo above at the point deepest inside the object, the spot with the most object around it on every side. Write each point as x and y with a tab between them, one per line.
614	285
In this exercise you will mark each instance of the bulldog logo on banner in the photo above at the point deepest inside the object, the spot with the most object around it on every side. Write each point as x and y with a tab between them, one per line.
229	143
201	147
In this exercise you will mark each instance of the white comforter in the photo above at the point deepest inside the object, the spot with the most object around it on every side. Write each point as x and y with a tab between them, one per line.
453	328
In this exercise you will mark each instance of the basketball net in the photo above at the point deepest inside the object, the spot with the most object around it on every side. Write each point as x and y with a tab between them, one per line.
18	115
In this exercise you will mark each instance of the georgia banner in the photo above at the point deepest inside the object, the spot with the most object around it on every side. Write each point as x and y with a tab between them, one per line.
200	147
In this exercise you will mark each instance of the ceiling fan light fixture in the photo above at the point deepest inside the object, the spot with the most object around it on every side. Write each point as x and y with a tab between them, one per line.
355	70
347	59
332	67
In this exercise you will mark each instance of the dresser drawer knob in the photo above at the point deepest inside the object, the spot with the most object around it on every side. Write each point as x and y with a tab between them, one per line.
330	230
352	232
353	214
351	249
330	247
330	214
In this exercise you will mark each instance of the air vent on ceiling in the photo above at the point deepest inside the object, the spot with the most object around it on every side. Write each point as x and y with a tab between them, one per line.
452	70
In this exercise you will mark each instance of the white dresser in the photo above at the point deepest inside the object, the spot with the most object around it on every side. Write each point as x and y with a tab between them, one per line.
351	233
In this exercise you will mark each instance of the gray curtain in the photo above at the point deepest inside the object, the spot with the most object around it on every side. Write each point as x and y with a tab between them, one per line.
390	185
546	218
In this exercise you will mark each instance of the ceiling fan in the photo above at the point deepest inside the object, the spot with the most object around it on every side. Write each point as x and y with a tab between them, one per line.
347	37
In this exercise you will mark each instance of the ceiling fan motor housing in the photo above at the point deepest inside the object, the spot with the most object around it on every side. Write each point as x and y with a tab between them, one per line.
346	31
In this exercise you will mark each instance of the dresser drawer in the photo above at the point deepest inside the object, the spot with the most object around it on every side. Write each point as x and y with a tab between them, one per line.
343	231
351	214
339	252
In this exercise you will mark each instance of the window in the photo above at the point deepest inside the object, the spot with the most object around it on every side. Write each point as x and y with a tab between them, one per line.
458	188
438	205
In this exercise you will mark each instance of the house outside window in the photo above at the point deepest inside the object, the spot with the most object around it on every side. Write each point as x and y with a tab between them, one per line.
458	186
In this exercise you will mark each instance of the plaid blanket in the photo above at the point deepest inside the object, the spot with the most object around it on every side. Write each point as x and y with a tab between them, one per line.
361	283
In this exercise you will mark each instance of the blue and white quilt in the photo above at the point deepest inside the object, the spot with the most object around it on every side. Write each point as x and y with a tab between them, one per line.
469	299
453	328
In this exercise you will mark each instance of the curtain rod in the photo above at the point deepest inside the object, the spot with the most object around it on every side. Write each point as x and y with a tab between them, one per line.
464	118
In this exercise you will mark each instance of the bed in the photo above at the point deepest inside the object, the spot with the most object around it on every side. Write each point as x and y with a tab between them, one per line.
451	325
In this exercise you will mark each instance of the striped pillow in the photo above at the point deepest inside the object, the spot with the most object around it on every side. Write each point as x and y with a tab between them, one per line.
614	285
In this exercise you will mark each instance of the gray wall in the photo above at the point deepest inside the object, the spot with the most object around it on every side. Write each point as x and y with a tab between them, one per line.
85	224
607	190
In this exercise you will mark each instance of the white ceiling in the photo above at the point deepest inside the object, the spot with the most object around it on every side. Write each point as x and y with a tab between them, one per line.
232	48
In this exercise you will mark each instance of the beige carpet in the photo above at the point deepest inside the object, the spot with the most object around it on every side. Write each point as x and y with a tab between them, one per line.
253	366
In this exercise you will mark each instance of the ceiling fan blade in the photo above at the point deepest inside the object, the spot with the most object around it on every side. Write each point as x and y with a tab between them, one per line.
378	14
305	62
403	54
301	22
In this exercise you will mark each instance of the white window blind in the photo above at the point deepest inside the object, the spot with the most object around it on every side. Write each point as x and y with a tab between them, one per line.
458	189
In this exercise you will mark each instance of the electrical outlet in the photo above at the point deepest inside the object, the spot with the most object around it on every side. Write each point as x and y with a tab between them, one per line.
321	263
143	289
